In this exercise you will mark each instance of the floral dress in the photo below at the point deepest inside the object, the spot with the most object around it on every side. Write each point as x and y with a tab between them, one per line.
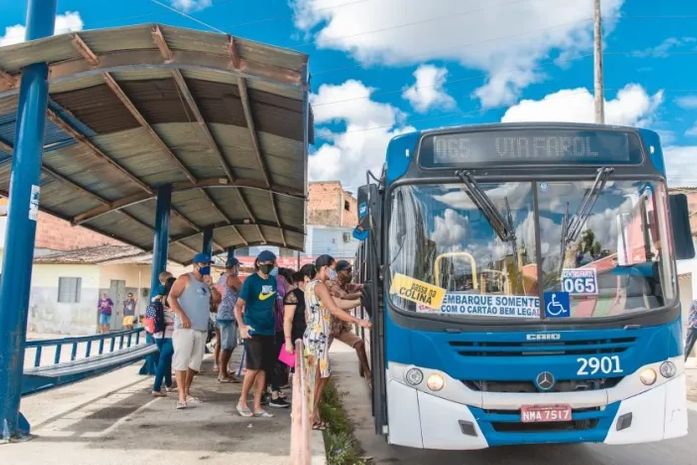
316	337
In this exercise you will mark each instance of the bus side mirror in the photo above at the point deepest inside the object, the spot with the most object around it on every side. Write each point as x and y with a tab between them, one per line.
364	195
680	222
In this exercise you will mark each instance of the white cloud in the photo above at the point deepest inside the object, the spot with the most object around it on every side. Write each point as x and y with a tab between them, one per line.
662	50
191	5
688	102
680	161
632	106
692	131
505	39
427	92
69	21
369	125
450	229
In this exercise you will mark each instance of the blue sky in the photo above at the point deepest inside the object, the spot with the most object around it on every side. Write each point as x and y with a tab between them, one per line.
382	67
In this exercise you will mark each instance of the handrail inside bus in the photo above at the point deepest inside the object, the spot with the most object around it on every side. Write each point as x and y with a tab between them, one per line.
473	265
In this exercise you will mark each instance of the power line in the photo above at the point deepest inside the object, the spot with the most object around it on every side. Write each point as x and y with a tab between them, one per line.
181	13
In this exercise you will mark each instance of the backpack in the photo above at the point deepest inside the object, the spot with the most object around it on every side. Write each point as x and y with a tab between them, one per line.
155	317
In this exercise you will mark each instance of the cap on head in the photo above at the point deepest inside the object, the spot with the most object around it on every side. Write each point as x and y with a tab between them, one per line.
266	256
324	260
231	262
342	265
201	258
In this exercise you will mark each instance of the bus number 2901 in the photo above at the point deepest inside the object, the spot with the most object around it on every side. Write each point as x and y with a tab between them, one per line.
594	365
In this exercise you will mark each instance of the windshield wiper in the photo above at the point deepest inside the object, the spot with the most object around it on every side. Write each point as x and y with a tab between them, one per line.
501	225
571	227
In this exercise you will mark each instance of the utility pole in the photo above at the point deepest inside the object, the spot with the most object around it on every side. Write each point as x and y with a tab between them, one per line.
598	64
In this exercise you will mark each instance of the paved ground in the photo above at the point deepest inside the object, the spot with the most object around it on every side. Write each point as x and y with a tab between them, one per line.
674	452
113	419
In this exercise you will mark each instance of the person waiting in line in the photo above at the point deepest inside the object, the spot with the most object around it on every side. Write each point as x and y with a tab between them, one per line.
229	286
319	308
254	313
345	288
105	307
129	311
163	339
294	308
277	374
190	299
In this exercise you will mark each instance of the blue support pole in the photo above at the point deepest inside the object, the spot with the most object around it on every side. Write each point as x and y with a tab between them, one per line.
230	252
207	247
159	258
21	224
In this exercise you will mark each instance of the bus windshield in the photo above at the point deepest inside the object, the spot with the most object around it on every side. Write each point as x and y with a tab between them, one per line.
614	263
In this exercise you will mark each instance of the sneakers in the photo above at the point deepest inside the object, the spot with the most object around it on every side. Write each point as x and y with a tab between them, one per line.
265	399
279	403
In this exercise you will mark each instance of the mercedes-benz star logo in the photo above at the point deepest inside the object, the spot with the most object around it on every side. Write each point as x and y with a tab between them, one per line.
545	381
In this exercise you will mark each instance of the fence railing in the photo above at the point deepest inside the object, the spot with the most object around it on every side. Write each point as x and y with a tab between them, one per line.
302	407
53	362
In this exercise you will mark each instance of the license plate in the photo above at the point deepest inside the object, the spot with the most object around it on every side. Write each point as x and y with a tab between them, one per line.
545	413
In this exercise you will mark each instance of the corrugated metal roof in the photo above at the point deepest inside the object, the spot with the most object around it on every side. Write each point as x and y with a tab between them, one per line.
225	120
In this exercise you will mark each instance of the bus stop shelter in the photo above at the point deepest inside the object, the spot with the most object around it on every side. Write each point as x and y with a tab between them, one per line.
168	139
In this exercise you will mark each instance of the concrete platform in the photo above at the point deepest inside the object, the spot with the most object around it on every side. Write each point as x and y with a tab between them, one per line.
113	419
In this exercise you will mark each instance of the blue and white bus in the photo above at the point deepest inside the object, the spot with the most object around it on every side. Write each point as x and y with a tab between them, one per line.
523	287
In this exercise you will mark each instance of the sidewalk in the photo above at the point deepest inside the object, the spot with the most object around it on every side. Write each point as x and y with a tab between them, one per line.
113	419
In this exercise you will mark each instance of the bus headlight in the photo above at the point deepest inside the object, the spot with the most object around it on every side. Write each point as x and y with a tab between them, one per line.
435	382
648	376
414	376
668	369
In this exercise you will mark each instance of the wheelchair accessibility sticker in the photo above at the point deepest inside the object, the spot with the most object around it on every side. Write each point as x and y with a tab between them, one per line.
557	304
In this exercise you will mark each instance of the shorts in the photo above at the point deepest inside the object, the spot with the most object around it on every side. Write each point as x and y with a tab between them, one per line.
228	334
129	320
189	347
104	319
347	337
261	352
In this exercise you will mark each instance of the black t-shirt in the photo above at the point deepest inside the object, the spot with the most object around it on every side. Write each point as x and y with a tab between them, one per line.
297	297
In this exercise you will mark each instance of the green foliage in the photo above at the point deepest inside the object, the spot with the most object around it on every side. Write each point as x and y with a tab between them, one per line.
341	446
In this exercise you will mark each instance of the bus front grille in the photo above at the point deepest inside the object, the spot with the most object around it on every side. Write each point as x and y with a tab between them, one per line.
571	385
542	348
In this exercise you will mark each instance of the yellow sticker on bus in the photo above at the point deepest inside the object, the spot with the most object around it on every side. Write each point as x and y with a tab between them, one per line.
417	291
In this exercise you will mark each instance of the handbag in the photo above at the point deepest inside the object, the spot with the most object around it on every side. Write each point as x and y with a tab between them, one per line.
286	358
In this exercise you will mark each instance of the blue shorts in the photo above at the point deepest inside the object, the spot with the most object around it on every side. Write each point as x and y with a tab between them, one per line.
104	319
228	334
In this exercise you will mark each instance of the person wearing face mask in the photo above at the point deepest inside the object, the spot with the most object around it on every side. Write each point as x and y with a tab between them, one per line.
320	306
255	315
190	299
343	288
229	285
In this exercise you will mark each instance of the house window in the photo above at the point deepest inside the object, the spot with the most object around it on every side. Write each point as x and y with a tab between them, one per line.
69	290
347	205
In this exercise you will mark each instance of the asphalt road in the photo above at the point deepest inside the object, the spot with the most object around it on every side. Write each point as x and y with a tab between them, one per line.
681	451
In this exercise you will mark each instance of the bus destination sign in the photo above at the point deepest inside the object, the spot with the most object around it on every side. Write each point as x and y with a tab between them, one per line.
516	146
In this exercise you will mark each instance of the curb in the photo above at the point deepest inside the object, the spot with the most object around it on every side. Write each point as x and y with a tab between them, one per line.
317	450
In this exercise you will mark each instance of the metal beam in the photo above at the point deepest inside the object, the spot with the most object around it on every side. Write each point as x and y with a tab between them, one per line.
96	151
222	213
64	179
130	106
185	186
192	225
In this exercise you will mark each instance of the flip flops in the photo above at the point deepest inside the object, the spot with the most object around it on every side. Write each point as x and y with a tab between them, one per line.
181	405
319	426
244	411
263	414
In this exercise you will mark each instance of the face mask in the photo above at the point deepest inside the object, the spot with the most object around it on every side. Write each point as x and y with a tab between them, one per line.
274	272
266	268
332	274
205	270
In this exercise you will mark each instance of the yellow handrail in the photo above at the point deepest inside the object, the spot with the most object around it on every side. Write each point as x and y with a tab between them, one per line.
473	265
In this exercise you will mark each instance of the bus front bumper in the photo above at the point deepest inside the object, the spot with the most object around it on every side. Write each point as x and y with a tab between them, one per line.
458	418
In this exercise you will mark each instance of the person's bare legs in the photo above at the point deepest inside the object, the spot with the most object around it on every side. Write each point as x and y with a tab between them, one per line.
363	360
259	388
249	379
189	379
216	352
320	385
223	360
182	386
